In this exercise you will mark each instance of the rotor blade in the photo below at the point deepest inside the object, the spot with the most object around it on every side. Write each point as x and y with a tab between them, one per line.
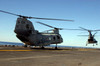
51	19
90	30
66	29
71	29
8	13
49	30
96	30
46	25
56	28
83	35
34	17
84	28
94	34
14	14
51	26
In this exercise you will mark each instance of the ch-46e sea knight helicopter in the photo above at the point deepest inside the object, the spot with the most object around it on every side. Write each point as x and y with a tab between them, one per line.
91	39
26	32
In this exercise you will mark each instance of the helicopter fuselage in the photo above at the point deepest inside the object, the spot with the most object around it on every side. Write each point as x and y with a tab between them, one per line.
91	38
92	41
40	39
26	33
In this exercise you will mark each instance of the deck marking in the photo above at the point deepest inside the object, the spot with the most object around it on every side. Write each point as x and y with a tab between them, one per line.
30	57
16	50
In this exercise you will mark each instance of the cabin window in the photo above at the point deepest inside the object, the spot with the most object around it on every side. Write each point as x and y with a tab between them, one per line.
49	38
54	38
58	37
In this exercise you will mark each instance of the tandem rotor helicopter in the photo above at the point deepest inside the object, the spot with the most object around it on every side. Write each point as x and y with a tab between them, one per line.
26	32
91	39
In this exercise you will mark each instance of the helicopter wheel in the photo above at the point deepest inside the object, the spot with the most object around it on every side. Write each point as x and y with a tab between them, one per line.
86	44
25	46
56	47
96	44
42	47
93	44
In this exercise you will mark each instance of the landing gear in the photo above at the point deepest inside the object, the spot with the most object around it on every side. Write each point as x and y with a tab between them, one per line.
96	43
25	46
93	44
31	46
56	47
42	47
86	44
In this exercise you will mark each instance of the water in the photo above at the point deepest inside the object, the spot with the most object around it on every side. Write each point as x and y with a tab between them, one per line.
52	45
10	43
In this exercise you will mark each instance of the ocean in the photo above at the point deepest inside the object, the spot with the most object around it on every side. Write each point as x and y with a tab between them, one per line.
52	45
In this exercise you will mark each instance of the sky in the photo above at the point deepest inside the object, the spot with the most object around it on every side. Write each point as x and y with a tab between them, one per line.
85	13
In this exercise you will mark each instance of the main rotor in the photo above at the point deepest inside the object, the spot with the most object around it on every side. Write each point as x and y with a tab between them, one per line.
34	17
54	28
90	30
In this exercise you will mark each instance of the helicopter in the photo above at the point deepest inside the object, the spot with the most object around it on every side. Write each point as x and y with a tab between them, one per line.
26	32
91	39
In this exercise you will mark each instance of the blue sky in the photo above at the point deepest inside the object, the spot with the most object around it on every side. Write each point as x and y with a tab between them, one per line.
85	13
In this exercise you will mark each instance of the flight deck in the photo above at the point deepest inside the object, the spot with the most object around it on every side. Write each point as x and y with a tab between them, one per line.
20	56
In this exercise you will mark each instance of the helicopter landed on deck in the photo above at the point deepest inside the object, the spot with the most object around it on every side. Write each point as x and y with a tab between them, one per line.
26	32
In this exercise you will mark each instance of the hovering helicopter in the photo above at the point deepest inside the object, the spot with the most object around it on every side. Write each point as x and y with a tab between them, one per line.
26	32
91	39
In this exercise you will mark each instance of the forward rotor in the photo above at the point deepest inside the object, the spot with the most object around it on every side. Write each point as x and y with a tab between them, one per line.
34	17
